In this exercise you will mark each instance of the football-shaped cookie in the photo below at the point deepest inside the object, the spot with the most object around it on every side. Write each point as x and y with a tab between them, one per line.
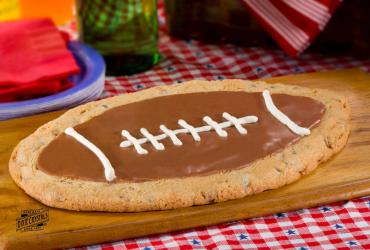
182	145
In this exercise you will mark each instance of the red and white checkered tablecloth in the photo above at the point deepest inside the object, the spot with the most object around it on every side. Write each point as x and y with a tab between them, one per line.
187	60
343	225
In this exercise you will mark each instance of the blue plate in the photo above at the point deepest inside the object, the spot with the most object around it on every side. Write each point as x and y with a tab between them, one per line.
89	84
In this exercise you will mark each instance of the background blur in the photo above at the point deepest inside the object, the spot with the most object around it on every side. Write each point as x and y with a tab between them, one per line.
61	11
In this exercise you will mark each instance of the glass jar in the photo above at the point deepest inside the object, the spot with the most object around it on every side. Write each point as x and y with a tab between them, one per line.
125	32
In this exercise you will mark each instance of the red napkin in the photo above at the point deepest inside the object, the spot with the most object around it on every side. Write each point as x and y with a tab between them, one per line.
34	60
294	24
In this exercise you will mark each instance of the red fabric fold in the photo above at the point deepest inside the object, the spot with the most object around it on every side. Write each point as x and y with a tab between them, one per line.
34	60
294	24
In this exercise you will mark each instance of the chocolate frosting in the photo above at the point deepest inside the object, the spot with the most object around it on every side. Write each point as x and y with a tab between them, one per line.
66	157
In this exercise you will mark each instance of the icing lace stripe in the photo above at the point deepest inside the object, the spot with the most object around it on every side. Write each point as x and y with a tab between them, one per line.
235	121
186	128
134	142
157	145
215	126
191	129
282	117
171	134
108	169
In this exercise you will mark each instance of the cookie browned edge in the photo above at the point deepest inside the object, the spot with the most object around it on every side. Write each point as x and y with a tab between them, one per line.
271	172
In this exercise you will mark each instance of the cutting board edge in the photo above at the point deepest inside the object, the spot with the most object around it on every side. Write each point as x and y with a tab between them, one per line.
43	239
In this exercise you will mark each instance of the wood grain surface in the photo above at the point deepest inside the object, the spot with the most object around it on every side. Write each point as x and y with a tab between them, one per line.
345	176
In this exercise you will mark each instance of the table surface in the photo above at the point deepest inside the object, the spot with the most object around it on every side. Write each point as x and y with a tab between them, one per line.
339	225
342	225
344	177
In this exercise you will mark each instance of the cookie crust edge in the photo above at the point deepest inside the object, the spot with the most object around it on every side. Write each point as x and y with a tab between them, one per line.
271	172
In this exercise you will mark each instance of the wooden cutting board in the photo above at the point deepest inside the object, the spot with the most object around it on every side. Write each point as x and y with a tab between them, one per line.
346	176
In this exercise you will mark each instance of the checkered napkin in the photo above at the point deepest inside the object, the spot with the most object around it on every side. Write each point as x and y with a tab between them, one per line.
294	24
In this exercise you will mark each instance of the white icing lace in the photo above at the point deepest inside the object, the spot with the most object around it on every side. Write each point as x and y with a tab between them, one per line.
190	129
108	169
235	121
186	128
157	145
215	126
282	117
135	142
171	134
